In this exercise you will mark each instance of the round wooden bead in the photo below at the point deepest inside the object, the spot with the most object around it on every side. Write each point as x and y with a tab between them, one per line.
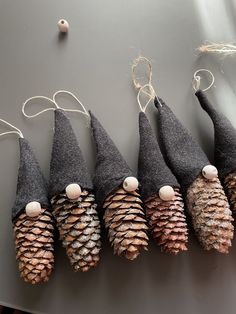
210	172
130	184
33	209
63	26
73	191
166	193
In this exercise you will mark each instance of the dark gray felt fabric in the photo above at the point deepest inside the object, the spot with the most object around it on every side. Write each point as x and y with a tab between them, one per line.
225	137
111	168
31	185
153	172
183	154
67	162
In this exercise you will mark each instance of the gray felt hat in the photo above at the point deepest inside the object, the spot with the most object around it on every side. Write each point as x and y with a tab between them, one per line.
225	137
67	162
182	153
111	168
31	185
153	172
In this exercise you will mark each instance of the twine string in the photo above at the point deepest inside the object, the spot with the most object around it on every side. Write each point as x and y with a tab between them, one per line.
14	131
145	89
55	104
196	82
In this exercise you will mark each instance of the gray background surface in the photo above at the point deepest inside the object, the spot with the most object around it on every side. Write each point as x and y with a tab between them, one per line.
94	62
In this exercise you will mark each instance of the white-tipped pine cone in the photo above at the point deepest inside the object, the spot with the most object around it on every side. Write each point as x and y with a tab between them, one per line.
126	223
230	189
211	215
167	221
34	243
79	229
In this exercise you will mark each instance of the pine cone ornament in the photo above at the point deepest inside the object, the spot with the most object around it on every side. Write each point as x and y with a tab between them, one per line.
160	192
168	222
117	194
72	199
34	246
229	184
211	215
32	219
79	229
205	197
225	148
125	220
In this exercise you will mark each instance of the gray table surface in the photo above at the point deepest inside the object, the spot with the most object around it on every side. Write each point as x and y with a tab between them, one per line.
94	62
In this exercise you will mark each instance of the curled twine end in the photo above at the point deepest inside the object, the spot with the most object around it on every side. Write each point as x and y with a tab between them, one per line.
196	82
218	48
134	66
144	89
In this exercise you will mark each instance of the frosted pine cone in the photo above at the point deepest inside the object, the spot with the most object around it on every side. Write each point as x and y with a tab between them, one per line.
211	215
79	229
126	223
35	246
230	188
168	222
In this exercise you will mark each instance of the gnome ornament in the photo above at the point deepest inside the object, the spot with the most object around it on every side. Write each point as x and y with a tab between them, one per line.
71	189
32	219
72	198
225	148
204	195
161	194
117	194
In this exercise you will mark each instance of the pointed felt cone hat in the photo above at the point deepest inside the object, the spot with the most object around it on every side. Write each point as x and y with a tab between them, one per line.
153	172
67	163
225	137
111	168
31	186
182	153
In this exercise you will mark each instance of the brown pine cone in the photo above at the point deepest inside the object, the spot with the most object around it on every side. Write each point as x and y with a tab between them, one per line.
168	222
125	220
230	189
79	229
35	246
211	215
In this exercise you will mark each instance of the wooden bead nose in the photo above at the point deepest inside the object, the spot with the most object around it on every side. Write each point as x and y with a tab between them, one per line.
33	209
210	172
130	184
63	26
166	193
73	191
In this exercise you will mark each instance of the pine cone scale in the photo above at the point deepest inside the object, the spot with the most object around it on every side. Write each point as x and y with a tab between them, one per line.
125	220
211	215
79	229
229	184
34	246
168	222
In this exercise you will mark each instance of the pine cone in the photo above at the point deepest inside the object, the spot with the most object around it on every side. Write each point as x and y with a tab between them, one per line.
34	246
124	217
230	188
168	222
79	228
211	215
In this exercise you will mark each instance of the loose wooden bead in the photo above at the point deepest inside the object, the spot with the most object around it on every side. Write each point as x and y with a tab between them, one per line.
166	193
73	191
63	26
130	184
33	209
210	172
